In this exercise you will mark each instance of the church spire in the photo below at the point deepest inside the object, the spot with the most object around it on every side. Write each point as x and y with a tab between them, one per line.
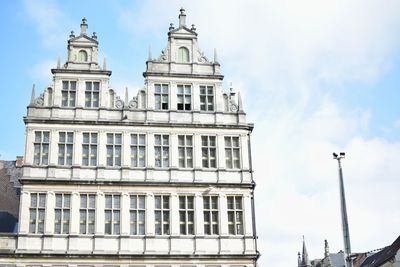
305	262
327	257
84	26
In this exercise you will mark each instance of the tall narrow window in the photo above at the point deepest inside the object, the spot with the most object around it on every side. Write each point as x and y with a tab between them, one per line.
186	215
68	93
114	142
185	151
92	94
65	148
62	213
208	152
161	215
235	215
36	213
82	56
41	148
161	150
89	149
138	150
112	214
184	97
137	214
183	55
87	214
210	212
206	98
161	96
232	152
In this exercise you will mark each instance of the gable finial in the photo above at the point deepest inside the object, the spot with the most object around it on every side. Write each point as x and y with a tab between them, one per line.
240	104
149	57
171	27
193	28
94	36
33	94
84	26
58	62
126	95
182	18
72	35
104	63
215	56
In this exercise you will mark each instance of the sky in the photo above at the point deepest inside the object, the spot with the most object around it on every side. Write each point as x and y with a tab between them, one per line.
316	77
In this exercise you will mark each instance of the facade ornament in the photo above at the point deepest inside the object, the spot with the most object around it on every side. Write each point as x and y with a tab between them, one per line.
72	35
171	27
119	103
202	57
233	107
163	56
149	57
94	36
193	28
133	104
84	26
39	101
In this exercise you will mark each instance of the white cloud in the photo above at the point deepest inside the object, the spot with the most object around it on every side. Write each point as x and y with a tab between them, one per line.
49	20
289	58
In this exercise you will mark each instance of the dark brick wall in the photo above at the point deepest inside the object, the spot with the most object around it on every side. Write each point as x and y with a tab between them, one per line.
9	187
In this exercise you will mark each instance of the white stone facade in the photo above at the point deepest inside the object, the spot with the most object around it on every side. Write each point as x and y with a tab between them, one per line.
182	145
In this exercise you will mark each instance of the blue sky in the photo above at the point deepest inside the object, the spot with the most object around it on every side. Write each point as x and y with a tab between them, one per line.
316	77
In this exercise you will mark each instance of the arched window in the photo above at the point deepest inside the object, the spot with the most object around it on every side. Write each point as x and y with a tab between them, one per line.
82	56
183	54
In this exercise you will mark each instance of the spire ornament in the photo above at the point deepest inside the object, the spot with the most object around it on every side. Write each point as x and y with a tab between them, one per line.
84	26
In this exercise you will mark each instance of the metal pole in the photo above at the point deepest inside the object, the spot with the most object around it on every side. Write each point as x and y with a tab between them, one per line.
345	223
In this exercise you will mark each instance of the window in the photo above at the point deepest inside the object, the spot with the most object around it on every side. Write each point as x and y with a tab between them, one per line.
65	148
210	212
185	151
36	213
183	55
68	93
138	150
137	215
161	215
112	215
92	94
114	142
89	149
41	148
232	152
186	215
206	98
62	213
87	214
184	97
161	96
161	149
82	56
235	215
208	151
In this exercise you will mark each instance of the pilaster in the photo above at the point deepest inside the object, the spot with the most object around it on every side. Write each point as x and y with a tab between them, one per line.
100	204
150	214
49	214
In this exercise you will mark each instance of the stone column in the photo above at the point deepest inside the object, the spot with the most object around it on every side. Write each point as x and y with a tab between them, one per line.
174	160
199	219
74	215
24	212
174	214
126	149
197	158
150	214
221	164
49	213
223	214
101	149
247	215
100	203
244	152
53	148
29	148
125	214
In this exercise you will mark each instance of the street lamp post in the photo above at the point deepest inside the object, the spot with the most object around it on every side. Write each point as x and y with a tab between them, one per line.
345	223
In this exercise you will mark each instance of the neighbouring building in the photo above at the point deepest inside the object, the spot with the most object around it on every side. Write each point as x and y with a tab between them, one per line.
329	259
160	179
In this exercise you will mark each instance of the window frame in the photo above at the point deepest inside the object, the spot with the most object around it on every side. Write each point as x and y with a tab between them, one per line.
162	94
68	93
207	105
206	152
185	151
164	224
38	211
114	223
90	156
184	95
90	95
137	210
231	162
63	210
40	145
235	223
183	55
87	210
65	158
163	158
186	224
114	159
136	148
212	213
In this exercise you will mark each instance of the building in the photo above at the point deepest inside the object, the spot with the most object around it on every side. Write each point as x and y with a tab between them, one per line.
163	178
329	259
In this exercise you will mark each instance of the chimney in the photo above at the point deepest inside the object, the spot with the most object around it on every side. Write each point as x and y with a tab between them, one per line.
19	161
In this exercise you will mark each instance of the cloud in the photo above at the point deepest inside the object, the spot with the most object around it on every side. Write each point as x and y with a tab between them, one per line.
49	20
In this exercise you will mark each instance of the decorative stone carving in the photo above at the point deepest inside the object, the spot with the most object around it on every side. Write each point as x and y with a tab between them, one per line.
119	103
39	101
133	104
202	57
233	107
